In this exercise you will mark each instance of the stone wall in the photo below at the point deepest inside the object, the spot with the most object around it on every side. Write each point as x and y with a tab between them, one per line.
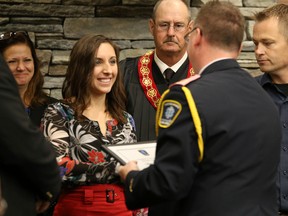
55	25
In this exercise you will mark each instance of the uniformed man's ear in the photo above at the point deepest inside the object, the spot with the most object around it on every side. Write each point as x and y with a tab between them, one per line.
239	51
190	25
241	47
151	25
198	37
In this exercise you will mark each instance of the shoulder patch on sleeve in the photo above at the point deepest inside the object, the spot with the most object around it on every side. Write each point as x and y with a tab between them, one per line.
169	112
184	82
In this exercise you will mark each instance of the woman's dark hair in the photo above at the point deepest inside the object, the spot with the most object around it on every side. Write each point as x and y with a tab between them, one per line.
77	83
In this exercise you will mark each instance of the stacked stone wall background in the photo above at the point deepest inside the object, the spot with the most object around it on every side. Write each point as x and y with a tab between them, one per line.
55	25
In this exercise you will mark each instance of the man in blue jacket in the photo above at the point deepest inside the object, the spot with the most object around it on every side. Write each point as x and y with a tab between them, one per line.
270	37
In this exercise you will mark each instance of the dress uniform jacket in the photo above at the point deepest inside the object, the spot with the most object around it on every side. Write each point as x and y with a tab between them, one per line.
241	135
138	105
28	167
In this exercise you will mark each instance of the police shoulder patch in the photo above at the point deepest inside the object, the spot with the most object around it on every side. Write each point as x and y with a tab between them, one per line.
170	110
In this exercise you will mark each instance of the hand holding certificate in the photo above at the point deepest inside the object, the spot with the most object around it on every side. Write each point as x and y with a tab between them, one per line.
142	152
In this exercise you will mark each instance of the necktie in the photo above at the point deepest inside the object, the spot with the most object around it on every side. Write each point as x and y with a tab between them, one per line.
168	74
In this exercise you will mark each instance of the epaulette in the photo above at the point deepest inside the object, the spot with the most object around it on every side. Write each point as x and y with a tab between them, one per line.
184	82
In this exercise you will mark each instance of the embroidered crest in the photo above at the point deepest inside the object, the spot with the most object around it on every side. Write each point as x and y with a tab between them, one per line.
169	112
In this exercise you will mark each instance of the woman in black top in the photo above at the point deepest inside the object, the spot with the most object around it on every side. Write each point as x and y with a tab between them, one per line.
19	52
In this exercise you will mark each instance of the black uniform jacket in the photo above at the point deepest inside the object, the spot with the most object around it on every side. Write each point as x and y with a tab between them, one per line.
28	167
241	134
138	105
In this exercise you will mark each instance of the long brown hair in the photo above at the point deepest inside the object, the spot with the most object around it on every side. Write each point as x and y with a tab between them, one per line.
77	82
34	93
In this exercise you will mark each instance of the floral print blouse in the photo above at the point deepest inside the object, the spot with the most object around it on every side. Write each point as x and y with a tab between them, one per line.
78	145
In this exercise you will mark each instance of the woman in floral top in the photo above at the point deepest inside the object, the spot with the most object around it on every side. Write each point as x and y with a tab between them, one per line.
91	115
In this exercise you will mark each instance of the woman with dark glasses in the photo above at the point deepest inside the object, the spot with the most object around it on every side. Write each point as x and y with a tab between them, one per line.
19	53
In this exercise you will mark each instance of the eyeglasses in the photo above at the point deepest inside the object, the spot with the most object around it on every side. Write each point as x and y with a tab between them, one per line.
186	37
178	27
11	34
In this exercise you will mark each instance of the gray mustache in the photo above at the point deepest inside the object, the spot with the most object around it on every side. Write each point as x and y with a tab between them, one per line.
170	40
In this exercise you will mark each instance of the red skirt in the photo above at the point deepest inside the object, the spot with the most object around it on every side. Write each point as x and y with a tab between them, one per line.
94	200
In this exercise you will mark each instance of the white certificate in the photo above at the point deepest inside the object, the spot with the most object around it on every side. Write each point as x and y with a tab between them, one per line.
142	152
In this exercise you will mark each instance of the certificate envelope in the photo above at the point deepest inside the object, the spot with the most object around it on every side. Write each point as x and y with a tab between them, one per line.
142	152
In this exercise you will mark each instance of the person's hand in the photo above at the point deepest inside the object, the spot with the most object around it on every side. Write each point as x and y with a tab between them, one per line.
124	170
42	206
3	206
